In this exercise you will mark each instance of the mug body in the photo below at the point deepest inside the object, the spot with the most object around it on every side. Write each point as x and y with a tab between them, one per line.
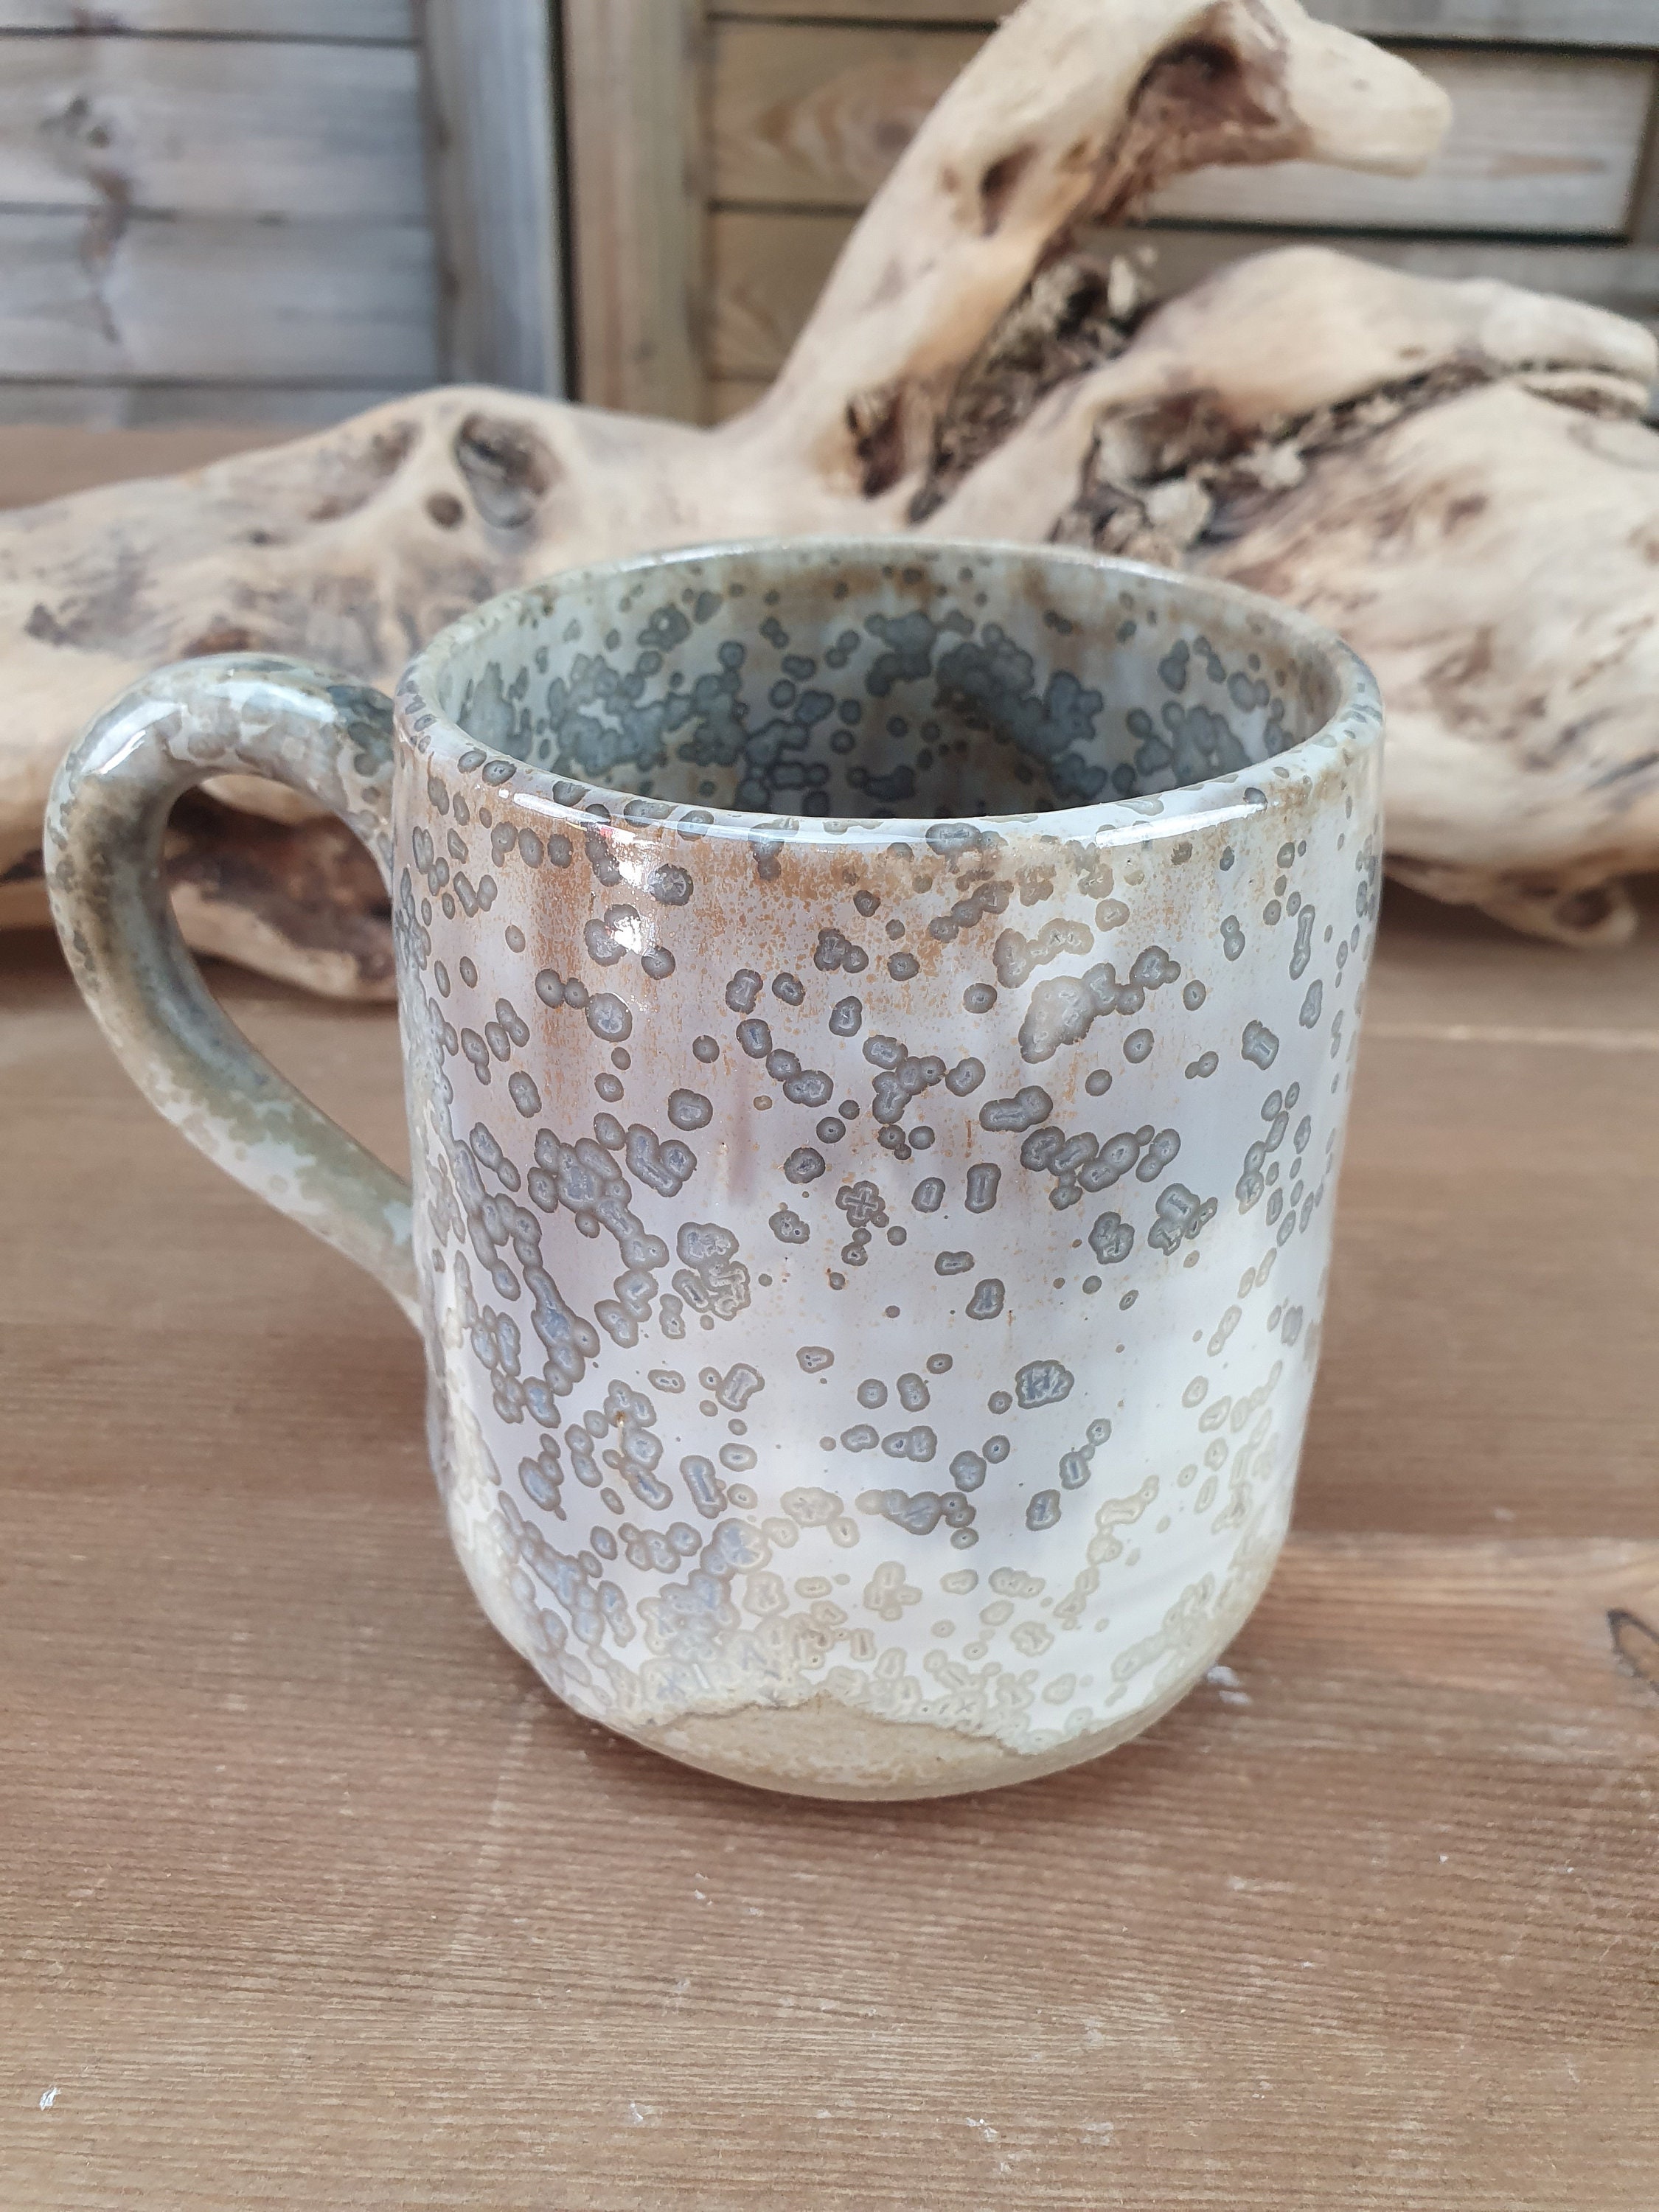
880	1020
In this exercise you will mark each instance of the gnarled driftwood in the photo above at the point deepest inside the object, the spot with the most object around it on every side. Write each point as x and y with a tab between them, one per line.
1221	430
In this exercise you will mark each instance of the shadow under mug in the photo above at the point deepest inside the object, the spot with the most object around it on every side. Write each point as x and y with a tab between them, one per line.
879	1019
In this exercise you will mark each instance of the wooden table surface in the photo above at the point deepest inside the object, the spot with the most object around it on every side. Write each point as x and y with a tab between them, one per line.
310	1895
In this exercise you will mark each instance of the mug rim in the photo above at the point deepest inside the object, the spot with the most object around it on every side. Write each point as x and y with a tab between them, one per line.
1354	720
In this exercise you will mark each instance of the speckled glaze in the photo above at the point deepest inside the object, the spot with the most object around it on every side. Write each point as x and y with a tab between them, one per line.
878	1021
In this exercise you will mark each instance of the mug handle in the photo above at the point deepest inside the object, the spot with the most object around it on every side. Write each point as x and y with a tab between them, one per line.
227	713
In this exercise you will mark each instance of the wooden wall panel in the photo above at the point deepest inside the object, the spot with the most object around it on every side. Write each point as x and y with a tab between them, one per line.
211	127
392	21
635	79
182	409
814	115
323	303
1551	22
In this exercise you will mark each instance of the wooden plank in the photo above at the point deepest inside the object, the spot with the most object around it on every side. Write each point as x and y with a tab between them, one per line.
633	75
324	302
489	89
814	116
211	127
181	409
383	21
768	270
1546	22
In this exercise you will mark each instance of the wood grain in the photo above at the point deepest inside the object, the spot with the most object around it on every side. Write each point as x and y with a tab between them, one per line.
330	302
769	267
391	21
311	1896
141	407
1549	22
634	84
211	127
813	116
492	177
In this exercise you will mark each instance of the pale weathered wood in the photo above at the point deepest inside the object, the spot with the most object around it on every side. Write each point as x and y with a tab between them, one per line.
814	115
1547	22
489	73
768	266
316	1898
634	88
388	21
46	460
140	407
211	127
338	303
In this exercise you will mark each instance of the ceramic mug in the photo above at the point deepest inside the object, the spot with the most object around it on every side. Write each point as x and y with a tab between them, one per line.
878	1019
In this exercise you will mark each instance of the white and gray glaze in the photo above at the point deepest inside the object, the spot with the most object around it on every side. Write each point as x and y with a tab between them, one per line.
870	1261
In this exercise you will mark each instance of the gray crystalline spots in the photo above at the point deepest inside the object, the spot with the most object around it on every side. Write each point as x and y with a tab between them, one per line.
1082	1163
608	1018
1043	1383
1023	1111
991	683
742	990
1303	952
1195	744
1064	1008
1311	1005
929	1194
982	1181
786	1225
712	1280
689	1109
920	1513
914	1394
1111	1240
789	989
871	1393
979	997
1260	1044
860	1437
965	1078
835	951
543	1478
900	1077
918	1443
733	1389
986	1302
703	1486
804	1166
1232	936
611	940
522	1091
1276	1112
1181	1215
954	1263
968	1470
813	1358
1015	956
846	1017
666	1168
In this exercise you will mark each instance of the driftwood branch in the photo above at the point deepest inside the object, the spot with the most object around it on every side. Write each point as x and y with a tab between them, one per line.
1223	429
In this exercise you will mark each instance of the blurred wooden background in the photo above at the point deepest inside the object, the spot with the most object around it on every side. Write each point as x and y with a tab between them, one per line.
282	211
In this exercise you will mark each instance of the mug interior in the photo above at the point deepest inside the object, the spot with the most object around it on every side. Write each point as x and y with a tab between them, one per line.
909	679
